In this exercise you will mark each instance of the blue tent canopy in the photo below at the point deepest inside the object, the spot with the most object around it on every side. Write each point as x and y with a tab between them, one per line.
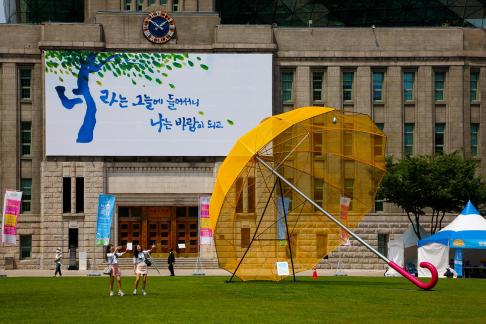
467	231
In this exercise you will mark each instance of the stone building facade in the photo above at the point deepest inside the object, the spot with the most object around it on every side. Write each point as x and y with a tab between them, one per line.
426	87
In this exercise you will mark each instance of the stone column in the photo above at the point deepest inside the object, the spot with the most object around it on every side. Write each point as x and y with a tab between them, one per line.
363	90
302	87
393	113
455	117
424	122
334	87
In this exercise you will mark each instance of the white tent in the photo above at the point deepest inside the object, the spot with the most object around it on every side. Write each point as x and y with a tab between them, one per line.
466	231
404	249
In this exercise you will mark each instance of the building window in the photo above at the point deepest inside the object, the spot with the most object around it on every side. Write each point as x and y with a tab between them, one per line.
175	5
139	5
317	85
25	247
439	81
474	139
151	2
239	195
26	188
408	86
473	86
378	78
163	2
408	138
128	4
287	85
66	194
379	205
383	244
347	85
251	195
318	191
25	138
381	126
245	237
439	138
25	84
79	195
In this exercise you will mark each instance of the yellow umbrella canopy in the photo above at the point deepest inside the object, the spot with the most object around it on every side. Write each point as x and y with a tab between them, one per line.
327	154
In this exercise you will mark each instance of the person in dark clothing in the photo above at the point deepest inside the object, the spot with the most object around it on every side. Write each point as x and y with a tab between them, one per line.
171	261
57	262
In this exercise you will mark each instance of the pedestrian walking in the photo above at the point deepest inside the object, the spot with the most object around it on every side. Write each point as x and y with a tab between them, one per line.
112	255
171	261
140	260
58	263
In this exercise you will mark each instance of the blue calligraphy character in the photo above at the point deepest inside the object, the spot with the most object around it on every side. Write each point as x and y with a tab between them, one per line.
164	123
148	102
123	101
104	96
140	101
170	102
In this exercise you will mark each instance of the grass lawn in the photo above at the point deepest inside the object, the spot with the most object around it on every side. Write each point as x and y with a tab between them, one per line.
210	299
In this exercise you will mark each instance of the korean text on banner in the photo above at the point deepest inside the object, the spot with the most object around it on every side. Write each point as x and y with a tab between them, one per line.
11	210
205	231
344	206
106	205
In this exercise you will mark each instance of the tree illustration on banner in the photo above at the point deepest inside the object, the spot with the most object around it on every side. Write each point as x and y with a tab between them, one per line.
153	67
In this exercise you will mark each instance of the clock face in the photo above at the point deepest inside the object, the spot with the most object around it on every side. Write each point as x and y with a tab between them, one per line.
158	27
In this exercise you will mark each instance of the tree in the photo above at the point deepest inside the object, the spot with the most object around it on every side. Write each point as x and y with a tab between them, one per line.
443	183
153	67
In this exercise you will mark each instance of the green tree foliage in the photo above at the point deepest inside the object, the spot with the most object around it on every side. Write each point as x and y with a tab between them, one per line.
444	183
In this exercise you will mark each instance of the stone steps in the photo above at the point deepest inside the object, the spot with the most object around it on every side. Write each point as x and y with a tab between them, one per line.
181	263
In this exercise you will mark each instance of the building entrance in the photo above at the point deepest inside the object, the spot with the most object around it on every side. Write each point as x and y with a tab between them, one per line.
164	227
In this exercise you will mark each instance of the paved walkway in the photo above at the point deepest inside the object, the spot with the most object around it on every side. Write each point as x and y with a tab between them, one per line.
179	272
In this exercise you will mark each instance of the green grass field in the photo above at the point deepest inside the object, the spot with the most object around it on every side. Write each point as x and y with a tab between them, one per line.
210	299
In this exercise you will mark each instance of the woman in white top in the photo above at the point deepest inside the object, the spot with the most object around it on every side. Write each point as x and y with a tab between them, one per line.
112	255
57	262
140	267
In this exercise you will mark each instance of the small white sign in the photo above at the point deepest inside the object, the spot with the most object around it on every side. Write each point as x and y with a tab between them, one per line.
83	260
181	245
282	268
129	246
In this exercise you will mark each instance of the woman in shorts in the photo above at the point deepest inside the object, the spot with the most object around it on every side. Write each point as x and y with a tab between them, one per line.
112	255
140	267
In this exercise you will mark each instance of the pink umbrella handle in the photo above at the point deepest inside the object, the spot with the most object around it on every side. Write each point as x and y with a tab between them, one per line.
424	285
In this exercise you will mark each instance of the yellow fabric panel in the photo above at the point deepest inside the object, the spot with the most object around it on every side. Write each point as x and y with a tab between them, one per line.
325	153
247	146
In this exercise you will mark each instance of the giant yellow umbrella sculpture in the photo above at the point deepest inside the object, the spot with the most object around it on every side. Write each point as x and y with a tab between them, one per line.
279	187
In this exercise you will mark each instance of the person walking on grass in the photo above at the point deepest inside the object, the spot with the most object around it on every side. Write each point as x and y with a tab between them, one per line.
57	261
171	261
112	255
140	267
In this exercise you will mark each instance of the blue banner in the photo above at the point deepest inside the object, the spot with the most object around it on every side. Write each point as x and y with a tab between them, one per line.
106	205
458	262
281	228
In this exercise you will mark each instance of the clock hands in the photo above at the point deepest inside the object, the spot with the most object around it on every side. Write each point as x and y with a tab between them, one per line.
157	26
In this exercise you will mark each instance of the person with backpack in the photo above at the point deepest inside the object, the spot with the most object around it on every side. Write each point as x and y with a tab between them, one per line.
112	255
141	260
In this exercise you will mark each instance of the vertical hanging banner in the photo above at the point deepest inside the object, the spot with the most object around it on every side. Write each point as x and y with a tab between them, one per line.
344	207
282	212
11	211
458	261
205	231
106	205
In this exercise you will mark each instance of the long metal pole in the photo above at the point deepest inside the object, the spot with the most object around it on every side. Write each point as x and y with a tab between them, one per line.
381	256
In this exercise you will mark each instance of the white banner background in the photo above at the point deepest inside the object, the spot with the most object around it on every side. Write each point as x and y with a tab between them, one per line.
236	87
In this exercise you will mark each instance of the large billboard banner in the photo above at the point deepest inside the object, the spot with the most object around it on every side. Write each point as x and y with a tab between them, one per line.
153	104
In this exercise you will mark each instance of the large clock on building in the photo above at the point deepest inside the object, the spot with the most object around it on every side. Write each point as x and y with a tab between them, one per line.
158	27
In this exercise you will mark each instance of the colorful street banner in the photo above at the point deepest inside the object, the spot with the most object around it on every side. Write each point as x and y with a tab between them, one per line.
283	205
106	206
344	208
458	255
10	214
205	231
